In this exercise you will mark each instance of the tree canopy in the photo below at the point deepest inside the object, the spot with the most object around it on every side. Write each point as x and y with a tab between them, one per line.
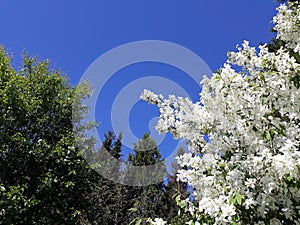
43	178
249	170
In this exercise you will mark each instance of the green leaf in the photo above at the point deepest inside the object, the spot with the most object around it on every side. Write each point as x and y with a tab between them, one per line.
231	199
267	135
138	222
132	209
134	220
178	198
239	198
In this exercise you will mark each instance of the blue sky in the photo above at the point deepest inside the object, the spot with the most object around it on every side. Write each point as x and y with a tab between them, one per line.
75	33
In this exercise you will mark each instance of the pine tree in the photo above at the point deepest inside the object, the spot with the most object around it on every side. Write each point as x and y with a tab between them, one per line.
110	196
146	201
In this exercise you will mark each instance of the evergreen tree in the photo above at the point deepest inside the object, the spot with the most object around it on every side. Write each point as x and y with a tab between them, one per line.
110	196
146	201
102	164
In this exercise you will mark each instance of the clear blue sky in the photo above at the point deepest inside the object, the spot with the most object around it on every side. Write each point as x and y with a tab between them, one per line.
74	33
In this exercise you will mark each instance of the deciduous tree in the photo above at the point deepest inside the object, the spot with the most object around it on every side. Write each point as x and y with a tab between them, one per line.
249	171
43	177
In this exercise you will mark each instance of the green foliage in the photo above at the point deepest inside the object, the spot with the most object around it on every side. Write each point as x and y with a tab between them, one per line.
44	179
236	199
146	201
145	152
110	199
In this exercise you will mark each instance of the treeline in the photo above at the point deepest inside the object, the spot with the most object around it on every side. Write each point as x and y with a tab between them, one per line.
44	177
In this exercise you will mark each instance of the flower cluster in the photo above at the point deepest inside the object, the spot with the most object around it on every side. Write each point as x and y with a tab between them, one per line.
157	221
249	170
287	25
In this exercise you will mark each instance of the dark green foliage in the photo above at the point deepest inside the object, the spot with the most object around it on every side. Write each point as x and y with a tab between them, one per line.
145	152
122	204
110	198
146	201
43	178
102	164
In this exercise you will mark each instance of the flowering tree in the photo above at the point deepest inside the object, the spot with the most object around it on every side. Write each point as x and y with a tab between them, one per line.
249	170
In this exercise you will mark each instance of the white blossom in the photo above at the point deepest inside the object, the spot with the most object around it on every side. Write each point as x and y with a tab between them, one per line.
157	221
251	162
